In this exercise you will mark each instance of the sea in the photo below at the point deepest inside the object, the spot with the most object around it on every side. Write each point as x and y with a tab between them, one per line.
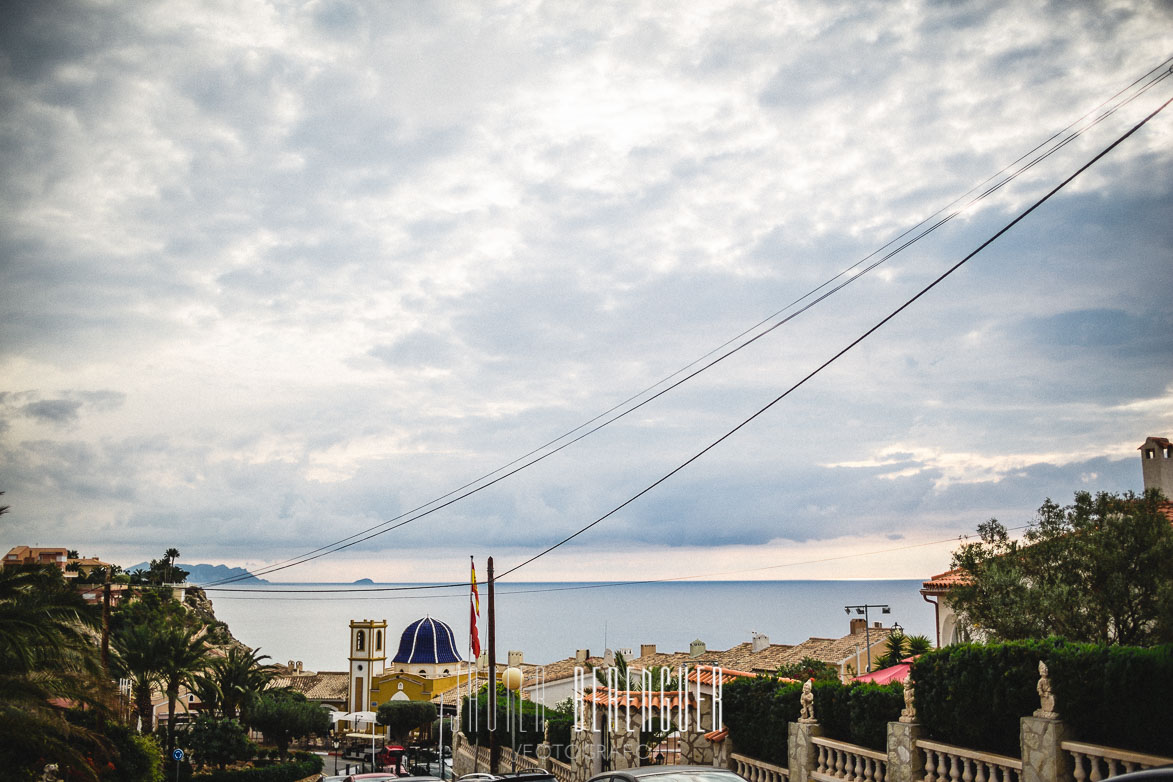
550	621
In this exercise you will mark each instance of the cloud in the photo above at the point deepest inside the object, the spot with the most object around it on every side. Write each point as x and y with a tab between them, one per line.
284	272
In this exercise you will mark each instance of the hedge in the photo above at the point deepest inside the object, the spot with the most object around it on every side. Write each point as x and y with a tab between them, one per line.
1119	696
974	695
285	772
756	712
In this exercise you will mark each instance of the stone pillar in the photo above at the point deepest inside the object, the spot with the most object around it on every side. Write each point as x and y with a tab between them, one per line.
624	747
800	750
695	749
1043	759
906	763
583	755
544	751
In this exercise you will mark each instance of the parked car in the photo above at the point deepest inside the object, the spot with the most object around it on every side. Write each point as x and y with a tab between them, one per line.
527	776
477	776
668	774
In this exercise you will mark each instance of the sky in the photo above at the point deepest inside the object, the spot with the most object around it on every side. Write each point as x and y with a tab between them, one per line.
274	273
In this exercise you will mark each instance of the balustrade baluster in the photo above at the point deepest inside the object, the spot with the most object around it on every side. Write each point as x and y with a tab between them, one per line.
838	772
1096	776
943	767
1113	767
929	765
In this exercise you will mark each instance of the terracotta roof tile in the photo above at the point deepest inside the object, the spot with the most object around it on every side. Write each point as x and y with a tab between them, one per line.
323	686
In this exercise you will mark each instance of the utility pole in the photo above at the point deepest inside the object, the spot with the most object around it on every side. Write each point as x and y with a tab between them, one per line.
106	623
491	713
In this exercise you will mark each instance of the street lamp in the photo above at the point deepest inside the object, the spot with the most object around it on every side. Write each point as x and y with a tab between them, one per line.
863	609
512	679
335	742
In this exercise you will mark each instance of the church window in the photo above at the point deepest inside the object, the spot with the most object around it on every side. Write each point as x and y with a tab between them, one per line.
378	640
360	641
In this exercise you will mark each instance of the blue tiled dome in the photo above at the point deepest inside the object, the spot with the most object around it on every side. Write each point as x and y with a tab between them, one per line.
427	641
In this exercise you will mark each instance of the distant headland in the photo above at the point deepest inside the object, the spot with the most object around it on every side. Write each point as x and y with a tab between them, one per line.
206	574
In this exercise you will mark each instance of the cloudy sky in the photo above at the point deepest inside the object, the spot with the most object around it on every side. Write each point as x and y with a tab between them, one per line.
274	273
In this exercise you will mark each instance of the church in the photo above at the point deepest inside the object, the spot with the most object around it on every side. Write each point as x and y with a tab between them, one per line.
426	663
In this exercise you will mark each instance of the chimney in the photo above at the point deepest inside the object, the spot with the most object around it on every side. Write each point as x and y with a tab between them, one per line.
580	656
483	661
760	642
858	626
696	648
1156	465
608	658
515	658
647	650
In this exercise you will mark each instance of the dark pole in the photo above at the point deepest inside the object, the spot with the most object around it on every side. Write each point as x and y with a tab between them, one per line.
106	623
494	750
867	634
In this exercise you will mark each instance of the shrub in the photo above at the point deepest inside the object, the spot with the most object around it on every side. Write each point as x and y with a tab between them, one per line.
285	772
873	706
1119	696
973	695
756	711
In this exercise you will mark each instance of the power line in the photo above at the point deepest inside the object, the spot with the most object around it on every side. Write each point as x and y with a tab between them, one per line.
261	593
853	343
1073	130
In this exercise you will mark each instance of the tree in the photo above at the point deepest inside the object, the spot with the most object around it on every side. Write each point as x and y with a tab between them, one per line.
402	717
895	650
182	655
169	556
217	741
137	634
231	683
810	668
48	660
282	716
139	660
1096	570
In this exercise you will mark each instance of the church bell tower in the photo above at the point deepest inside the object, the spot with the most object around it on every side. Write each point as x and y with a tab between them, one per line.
367	656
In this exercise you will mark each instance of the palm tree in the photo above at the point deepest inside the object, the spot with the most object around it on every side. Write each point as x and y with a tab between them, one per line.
233	681
182	654
49	661
171	555
139	658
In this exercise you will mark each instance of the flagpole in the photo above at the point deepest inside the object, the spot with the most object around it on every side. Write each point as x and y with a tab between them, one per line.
494	758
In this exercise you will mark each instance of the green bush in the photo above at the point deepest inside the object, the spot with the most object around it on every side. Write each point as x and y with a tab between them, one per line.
305	766
873	706
973	695
757	711
756	716
1119	696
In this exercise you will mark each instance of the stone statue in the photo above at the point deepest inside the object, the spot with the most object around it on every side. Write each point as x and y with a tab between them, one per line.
1046	708
908	714
808	704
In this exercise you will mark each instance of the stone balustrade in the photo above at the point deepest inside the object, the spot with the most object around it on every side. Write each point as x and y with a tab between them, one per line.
757	770
946	763
838	760
1092	763
561	771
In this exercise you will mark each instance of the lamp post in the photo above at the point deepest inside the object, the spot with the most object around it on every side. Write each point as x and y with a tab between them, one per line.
335	742
863	609
512	680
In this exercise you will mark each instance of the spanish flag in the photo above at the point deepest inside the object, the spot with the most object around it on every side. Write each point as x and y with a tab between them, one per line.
474	610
